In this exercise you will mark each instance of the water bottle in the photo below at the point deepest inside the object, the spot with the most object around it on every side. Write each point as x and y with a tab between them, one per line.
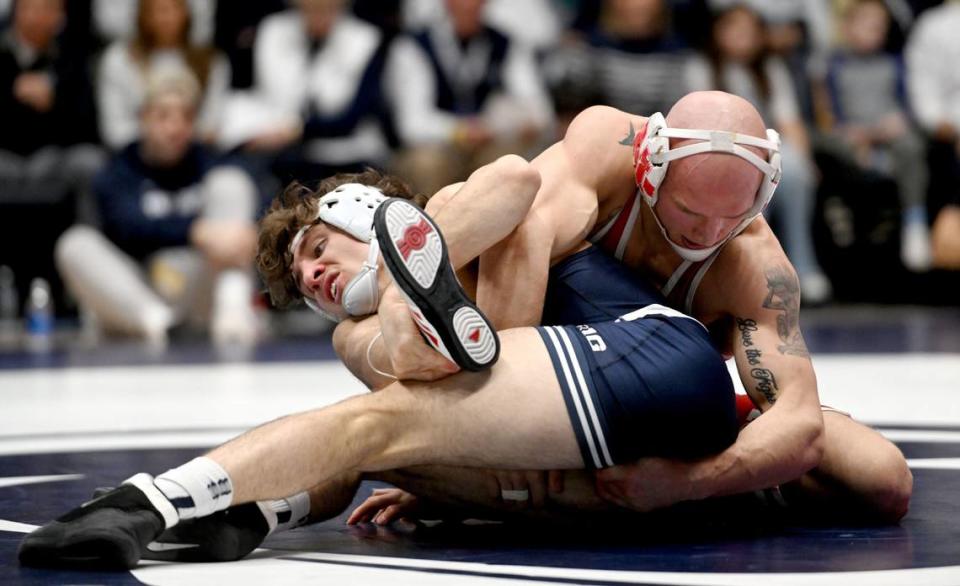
39	314
9	308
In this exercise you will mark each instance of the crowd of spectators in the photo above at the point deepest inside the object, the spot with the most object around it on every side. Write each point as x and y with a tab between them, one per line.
141	137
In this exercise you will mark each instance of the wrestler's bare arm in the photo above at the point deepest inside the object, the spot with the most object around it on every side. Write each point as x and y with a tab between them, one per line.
586	172
586	176
473	216
761	295
756	294
478	492
485	208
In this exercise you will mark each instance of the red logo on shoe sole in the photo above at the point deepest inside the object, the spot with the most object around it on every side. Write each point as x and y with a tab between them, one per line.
414	238
421	323
475	335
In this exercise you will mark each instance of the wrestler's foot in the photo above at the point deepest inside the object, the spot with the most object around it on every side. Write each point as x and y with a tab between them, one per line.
224	536
111	531
416	255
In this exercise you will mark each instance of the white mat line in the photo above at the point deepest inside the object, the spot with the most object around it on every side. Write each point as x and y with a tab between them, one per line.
21	480
921	435
15	527
120	441
934	463
931	576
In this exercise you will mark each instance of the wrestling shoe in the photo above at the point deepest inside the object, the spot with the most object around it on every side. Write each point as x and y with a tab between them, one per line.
111	531
415	254
224	536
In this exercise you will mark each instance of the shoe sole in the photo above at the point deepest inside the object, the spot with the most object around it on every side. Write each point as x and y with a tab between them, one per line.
102	547
415	254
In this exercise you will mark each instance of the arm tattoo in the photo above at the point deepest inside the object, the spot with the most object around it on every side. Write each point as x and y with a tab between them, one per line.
766	383
631	136
783	294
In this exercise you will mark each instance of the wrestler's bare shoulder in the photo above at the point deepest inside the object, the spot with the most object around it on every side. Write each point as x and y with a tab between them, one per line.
598	147
600	120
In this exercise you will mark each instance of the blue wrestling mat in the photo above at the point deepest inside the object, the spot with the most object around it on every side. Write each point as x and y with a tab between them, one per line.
35	488
72	427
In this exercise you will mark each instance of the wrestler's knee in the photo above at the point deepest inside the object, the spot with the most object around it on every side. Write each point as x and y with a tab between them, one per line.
892	485
387	424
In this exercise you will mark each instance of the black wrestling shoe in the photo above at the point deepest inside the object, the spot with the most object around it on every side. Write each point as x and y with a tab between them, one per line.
109	532
224	536
415	254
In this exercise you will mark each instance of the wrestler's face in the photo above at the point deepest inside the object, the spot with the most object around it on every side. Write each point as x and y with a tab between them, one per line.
702	201
324	262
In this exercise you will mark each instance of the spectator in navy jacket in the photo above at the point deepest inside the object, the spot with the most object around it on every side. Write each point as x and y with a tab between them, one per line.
176	222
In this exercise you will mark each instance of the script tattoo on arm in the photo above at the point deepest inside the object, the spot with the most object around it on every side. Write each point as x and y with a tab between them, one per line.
783	295
766	381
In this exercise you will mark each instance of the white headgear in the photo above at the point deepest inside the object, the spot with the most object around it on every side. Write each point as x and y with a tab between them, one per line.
652	156
350	208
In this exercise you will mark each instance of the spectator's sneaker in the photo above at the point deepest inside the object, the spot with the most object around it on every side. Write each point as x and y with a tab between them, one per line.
416	255
111	531
815	288
916	249
224	536
234	321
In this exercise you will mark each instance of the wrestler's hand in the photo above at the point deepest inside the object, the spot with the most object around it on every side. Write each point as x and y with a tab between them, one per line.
645	485
411	358
384	506
518	489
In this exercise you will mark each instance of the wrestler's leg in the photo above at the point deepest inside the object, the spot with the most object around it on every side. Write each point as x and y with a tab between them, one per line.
512	416
862	474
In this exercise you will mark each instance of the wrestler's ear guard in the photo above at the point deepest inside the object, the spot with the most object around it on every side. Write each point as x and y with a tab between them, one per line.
652	155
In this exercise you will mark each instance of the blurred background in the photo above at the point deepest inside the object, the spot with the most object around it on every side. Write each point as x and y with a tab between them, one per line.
141	139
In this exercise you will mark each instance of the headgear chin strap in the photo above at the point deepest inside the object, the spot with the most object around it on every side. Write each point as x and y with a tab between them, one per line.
652	155
350	208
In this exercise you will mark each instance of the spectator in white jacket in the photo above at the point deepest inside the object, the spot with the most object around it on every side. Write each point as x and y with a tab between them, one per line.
317	106
933	81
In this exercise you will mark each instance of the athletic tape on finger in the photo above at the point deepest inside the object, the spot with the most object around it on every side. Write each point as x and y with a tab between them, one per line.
515	495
